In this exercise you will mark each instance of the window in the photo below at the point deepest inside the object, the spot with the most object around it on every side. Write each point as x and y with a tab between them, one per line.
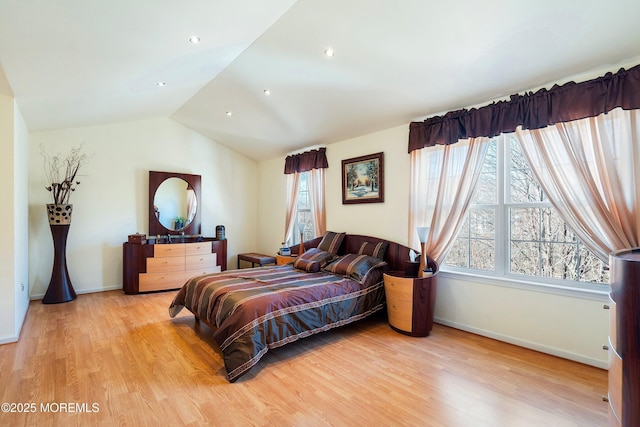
511	228
303	215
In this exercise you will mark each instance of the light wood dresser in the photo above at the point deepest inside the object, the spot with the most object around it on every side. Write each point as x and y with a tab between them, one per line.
159	267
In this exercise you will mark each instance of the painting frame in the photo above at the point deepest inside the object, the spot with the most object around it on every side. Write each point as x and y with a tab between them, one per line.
359	178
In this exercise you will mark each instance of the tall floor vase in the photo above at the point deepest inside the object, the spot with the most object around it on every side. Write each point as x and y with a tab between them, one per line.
60	288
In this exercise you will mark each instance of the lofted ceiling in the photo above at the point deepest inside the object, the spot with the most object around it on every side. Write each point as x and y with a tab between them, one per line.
73	63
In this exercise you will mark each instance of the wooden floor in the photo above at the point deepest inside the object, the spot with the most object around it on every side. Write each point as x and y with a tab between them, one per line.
120	360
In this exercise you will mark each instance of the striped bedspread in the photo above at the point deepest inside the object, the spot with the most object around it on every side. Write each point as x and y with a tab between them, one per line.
257	309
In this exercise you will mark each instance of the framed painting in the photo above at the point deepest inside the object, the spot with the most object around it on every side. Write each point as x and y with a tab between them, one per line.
363	179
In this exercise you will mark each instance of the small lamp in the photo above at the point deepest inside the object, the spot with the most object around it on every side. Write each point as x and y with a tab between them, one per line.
423	234
301	229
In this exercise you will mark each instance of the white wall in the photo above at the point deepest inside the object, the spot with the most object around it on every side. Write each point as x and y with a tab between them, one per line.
573	327
387	220
13	227
112	200
7	265
21	219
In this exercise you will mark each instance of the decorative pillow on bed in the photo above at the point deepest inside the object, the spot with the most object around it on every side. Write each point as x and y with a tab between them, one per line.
376	250
354	266
331	242
313	260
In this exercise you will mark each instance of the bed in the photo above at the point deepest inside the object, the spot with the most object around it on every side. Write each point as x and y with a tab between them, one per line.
338	280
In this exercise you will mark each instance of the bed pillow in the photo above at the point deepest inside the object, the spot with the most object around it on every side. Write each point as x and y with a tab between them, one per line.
331	242
376	250
313	260
356	267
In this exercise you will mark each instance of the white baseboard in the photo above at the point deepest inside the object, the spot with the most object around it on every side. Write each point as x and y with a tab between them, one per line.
526	344
80	292
8	340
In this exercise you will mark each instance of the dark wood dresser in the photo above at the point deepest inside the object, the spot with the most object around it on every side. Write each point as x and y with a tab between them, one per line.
624	341
151	266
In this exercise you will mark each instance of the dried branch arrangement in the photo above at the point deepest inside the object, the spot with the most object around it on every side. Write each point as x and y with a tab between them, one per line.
61	172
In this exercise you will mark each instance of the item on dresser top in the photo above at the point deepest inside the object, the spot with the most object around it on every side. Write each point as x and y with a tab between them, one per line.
285	251
137	238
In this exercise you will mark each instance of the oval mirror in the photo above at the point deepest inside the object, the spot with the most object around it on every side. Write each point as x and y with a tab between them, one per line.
174	203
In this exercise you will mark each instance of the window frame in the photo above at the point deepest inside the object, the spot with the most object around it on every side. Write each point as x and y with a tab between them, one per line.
304	176
502	244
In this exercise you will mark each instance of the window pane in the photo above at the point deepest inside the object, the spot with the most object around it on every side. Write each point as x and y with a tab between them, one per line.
525	258
482	223
558	260
304	212
482	254
554	229
486	189
525	224
303	193
591	268
458	255
474	246
524	186
304	217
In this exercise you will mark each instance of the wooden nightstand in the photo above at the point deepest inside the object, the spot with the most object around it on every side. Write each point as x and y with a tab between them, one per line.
284	259
410	303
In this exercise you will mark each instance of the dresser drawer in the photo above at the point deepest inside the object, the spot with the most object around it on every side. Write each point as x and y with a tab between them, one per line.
166	264
169	250
161	281
398	287
400	314
613	327
399	295
615	381
197	262
197	248
193	273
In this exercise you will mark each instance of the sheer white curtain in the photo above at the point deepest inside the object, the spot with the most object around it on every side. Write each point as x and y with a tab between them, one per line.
442	182
590	170
293	184
316	182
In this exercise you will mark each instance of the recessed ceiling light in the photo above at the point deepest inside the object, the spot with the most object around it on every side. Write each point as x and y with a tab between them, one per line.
267	92
194	39
160	84
329	52
229	113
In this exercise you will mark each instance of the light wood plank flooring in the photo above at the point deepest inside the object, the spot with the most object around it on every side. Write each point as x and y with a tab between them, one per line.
140	367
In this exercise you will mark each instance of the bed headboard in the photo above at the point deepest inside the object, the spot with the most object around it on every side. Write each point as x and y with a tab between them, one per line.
396	256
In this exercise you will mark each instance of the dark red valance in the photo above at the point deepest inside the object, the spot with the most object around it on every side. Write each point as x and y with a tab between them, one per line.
314	159
571	101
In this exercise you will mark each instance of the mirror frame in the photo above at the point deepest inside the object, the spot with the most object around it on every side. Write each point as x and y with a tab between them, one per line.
155	227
